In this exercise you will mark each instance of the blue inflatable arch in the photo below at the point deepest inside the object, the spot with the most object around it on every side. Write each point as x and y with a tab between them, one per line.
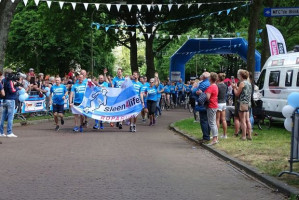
209	46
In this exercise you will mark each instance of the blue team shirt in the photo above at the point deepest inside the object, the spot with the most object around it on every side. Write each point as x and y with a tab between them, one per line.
167	89
180	86
152	93
143	88
58	92
160	87
117	81
137	86
188	88
172	89
104	84
78	90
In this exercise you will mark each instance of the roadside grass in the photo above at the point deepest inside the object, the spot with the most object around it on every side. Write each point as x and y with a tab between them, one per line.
29	117
269	151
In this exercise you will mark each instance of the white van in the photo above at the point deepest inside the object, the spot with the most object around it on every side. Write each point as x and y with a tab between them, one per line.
279	78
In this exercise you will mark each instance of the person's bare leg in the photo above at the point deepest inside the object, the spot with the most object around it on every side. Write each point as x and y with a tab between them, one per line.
237	125
218	119
224	124
243	124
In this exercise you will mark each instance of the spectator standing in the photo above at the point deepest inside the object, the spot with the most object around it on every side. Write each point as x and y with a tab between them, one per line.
243	92
212	97
58	94
202	110
220	116
8	104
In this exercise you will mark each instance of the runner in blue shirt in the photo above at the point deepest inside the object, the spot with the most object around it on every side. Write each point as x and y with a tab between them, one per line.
58	93
167	94
117	82
138	87
144	111
152	95
173	92
180	89
160	90
76	98
101	83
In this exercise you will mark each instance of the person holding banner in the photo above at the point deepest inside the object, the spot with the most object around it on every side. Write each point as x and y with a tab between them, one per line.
152	96
84	73
58	93
137	86
101	83
144	86
116	83
76	98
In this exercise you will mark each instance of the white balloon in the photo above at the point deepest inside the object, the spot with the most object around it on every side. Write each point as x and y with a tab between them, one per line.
287	111
288	124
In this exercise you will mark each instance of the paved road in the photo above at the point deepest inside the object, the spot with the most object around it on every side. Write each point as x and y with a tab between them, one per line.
153	163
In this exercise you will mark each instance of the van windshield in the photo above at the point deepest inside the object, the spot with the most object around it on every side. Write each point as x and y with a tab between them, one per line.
261	80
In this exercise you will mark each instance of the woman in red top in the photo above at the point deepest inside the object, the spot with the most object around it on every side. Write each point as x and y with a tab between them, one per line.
212	96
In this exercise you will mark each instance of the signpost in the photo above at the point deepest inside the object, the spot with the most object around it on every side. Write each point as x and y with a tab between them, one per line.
281	12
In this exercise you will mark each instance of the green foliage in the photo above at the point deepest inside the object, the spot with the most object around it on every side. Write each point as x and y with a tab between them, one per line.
49	40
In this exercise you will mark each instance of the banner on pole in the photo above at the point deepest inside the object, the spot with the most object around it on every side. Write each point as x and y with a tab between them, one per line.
276	41
110	104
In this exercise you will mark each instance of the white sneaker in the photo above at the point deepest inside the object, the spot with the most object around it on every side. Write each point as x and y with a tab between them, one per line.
11	135
2	135
223	136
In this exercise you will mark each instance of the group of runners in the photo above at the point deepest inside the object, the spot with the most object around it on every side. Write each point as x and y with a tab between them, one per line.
150	94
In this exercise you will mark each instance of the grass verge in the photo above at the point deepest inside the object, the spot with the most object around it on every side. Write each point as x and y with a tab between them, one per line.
269	151
29	117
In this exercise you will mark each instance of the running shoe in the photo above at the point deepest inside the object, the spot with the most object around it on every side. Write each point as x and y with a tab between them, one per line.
57	128
131	128
76	129
11	135
134	128
96	126
120	126
62	121
101	125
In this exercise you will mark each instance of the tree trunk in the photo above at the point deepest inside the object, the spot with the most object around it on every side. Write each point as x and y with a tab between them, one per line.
133	51
7	9
265	48
149	54
254	15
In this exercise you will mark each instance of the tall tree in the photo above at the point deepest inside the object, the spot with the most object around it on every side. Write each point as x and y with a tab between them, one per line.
253	25
7	9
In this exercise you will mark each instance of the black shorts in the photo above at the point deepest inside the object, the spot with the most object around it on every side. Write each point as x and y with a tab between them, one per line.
151	106
58	108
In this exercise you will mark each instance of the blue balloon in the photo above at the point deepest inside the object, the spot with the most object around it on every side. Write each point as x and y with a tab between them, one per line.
22	91
293	99
22	98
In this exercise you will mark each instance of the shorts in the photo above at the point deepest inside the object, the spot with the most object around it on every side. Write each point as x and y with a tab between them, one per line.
151	107
221	107
58	108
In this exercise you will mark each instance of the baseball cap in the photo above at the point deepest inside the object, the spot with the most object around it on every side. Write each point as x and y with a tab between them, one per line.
31	69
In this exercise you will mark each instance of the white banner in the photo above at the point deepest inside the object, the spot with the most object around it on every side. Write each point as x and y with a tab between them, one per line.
276	41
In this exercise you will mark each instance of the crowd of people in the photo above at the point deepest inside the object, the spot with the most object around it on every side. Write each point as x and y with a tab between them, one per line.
208	97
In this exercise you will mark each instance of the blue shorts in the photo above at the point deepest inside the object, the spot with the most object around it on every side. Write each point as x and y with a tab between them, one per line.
58	108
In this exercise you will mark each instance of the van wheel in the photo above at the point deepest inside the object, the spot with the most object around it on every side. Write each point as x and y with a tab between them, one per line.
265	124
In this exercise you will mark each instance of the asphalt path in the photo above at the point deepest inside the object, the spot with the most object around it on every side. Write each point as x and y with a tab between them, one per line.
153	163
